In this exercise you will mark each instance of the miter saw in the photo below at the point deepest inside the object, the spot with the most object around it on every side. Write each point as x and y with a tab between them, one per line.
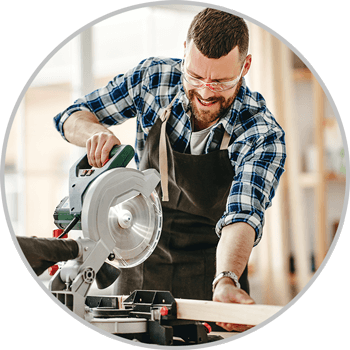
114	205
120	216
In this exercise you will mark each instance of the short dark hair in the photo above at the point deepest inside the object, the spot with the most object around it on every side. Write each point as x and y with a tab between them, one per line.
215	33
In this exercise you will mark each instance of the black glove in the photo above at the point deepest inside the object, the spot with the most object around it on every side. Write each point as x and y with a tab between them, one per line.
42	253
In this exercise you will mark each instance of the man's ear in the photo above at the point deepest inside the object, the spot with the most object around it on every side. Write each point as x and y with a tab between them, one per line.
184	48
248	63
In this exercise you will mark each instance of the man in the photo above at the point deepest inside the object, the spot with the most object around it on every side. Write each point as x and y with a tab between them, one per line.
218	148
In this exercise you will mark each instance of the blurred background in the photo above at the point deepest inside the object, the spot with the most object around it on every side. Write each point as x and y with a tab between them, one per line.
308	207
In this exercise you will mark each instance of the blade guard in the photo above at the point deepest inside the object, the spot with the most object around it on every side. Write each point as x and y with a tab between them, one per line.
110	189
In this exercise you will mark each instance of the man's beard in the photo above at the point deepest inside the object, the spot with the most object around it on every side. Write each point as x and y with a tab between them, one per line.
203	118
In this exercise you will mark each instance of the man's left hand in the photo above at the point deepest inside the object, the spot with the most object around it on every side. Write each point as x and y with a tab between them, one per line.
227	292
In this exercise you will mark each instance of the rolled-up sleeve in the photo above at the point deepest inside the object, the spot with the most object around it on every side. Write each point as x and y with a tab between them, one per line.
60	118
258	168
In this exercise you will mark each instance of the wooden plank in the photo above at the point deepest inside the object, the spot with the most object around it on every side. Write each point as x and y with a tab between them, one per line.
211	311
225	334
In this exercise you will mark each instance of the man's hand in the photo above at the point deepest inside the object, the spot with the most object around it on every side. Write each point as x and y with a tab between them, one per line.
227	292
98	147
83	129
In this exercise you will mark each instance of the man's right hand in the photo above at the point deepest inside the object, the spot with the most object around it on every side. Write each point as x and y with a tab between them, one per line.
98	147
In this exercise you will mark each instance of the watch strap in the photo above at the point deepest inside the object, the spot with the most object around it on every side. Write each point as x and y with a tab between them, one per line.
223	274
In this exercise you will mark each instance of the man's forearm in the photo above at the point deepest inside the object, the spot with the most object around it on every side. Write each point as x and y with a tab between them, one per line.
80	126
234	248
233	252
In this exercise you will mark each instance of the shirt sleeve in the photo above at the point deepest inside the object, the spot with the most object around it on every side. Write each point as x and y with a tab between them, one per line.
112	104
258	169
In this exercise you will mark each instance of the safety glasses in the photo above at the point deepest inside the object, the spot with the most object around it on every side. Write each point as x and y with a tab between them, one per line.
215	87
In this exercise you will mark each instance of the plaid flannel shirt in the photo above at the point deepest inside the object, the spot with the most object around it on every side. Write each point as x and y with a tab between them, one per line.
257	150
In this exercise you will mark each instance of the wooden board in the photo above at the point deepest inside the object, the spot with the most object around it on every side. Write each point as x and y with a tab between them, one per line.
211	311
225	334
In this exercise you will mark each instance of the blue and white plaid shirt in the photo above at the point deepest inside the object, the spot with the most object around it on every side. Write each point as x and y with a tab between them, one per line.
257	152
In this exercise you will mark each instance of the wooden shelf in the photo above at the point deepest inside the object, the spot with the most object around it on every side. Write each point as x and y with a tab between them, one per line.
311	180
334	177
320	178
302	74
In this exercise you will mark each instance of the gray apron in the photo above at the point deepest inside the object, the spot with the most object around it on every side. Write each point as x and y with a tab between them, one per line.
184	259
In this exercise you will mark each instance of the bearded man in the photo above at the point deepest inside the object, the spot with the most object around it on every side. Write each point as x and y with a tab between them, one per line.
224	154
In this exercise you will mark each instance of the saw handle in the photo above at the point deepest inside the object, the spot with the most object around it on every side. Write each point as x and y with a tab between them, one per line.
112	153
119	156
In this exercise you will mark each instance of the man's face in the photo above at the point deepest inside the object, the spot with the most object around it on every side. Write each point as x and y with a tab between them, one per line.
208	106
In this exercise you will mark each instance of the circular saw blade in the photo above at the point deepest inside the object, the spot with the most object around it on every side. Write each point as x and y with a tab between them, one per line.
135	226
122	211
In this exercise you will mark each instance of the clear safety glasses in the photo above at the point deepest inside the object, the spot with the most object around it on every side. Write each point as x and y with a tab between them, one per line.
215	87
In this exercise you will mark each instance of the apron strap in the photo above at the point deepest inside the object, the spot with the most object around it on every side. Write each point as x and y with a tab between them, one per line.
163	155
225	141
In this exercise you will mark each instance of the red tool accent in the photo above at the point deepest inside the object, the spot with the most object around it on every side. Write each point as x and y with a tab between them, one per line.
52	270
57	232
207	326
164	311
105	162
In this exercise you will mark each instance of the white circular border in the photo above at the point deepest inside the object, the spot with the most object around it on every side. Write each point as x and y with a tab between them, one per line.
189	3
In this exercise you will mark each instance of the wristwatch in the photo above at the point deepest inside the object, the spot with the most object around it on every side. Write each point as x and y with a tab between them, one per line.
230	274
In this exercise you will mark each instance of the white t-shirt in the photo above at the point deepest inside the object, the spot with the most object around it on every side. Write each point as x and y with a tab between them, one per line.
199	140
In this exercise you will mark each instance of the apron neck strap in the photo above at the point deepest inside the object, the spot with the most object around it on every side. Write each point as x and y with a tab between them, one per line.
225	141
163	155
166	113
